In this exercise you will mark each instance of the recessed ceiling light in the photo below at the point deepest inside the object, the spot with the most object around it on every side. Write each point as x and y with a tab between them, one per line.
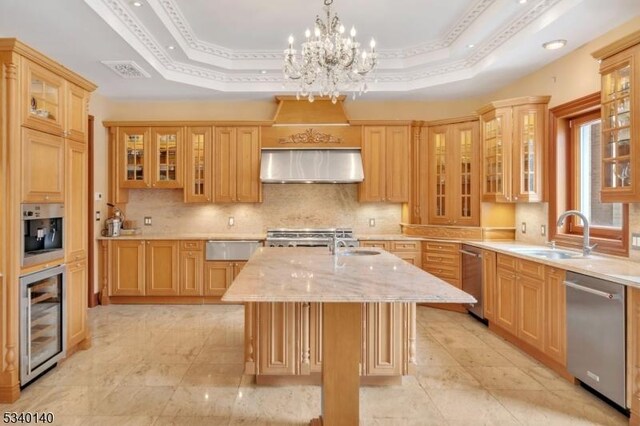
171	47
137	3
471	46
263	71
522	1
554	44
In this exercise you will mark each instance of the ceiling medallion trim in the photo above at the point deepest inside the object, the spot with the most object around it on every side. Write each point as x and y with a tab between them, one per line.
310	136
169	12
116	13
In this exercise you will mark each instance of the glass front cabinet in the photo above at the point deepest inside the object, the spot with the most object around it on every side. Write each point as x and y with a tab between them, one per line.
198	149
513	134
620	95
150	157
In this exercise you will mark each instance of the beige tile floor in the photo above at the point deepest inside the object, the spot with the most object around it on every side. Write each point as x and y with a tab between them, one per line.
179	365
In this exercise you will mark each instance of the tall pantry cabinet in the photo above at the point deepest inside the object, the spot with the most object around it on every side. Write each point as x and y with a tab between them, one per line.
43	159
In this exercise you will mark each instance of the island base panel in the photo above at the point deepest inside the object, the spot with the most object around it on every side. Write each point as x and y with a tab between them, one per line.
342	323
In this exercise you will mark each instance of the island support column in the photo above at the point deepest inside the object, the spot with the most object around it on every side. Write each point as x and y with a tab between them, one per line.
341	346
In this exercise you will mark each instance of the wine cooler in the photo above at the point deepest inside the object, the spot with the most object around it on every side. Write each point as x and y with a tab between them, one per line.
42	318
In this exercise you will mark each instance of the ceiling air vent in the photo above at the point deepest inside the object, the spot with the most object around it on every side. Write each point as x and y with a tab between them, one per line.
127	69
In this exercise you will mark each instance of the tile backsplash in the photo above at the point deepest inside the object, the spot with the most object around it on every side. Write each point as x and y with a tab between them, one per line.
289	205
534	215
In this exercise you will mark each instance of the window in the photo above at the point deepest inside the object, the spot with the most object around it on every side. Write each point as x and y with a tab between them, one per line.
575	168
586	151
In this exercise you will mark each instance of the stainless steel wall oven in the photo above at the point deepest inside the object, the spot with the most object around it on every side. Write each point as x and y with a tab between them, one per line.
42	321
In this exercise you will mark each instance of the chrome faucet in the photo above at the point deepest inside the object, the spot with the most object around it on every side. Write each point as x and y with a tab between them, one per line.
586	248
335	243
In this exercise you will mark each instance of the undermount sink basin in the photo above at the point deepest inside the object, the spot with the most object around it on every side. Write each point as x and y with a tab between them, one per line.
358	253
549	253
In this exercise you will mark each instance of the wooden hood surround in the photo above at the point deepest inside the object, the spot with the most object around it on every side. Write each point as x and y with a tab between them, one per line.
300	124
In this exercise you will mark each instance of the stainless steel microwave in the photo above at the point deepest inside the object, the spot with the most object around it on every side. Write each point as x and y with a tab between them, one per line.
42	233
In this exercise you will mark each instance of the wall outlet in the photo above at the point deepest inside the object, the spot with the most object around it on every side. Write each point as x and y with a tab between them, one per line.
147	221
97	215
635	241
97	196
232	221
523	227
372	222
543	230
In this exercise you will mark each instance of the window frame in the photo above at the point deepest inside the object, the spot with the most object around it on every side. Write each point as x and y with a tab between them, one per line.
561	154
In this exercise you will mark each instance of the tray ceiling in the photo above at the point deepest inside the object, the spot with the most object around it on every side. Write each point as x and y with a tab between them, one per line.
234	48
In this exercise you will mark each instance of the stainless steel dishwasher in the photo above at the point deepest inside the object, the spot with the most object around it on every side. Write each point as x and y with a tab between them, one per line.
472	277
596	334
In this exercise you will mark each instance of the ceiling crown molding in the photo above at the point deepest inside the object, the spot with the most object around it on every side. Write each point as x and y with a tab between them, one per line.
219	68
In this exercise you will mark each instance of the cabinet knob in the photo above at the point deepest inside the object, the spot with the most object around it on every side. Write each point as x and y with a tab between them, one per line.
77	265
515	197
46	197
148	242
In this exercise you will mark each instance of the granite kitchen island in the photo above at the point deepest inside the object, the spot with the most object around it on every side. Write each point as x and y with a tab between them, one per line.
350	286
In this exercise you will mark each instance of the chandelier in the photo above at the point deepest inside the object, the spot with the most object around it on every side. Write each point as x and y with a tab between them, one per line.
329	61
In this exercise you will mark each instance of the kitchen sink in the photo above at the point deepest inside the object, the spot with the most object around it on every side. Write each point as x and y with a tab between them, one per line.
358	253
549	253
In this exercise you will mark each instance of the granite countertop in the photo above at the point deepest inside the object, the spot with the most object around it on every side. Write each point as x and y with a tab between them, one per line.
312	274
235	236
619	270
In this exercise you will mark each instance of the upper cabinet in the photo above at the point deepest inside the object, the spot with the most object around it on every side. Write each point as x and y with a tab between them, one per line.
386	158
237	165
513	134
52	104
150	157
453	174
199	158
620	123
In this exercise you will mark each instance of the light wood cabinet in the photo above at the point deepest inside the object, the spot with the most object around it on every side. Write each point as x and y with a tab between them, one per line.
555	315
161	267
506	298
167	162
237	165
385	245
150	157
76	202
489	284
44	96
383	339
76	113
218	276
453	187
530	293
127	263
134	146
386	162
442	259
513	135
199	154
633	353
76	299
43	172
620	121
277	354
409	251
191	268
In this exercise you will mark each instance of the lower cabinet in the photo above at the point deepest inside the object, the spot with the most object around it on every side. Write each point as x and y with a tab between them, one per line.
442	259
77	300
527	299
488	284
633	353
161	261
406	250
288	340
127	268
218	276
191	268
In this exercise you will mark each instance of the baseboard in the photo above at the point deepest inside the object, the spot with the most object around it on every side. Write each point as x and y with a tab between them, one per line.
95	300
455	307
169	300
316	379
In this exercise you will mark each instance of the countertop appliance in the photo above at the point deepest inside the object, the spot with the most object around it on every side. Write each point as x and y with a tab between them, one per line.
596	334
309	237
472	277
42	321
42	233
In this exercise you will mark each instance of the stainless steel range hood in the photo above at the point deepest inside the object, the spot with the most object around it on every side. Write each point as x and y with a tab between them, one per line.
311	166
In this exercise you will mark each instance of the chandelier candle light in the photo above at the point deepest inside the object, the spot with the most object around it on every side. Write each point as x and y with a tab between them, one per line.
329	61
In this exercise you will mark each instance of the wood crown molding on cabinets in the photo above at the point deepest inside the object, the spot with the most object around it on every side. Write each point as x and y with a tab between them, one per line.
185	123
617	46
524	100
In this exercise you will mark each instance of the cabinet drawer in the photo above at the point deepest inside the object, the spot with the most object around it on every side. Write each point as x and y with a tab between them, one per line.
385	245
531	269
405	245
506	261
191	245
443	271
440	247
436	259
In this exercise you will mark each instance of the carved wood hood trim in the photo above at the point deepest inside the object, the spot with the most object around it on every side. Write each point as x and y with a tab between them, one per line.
310	136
